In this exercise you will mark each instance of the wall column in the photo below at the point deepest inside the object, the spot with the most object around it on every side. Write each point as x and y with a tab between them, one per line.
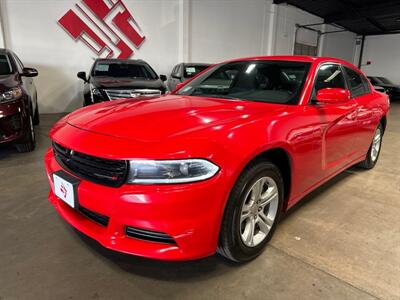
3	24
184	30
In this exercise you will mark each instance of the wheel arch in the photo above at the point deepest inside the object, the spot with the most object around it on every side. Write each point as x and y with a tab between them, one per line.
282	159
383	122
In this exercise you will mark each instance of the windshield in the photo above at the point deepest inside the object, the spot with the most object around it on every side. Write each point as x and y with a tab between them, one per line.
190	71
5	65
385	80
119	69
264	81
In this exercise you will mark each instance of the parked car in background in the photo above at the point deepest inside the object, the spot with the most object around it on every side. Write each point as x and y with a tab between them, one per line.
19	110
184	71
216	163
390	88
379	88
111	79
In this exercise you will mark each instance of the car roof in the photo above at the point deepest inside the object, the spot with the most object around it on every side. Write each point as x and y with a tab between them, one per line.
4	51
297	58
196	64
122	61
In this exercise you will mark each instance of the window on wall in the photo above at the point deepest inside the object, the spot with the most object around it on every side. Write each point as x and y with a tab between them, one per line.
303	49
357	84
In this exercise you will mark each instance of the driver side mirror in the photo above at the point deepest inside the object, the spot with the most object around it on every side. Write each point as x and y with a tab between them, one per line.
82	75
332	96
29	72
163	78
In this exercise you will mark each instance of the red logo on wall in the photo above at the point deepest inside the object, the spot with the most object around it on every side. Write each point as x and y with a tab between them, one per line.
105	26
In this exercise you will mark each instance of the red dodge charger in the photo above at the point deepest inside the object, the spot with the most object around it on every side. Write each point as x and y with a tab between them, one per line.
213	165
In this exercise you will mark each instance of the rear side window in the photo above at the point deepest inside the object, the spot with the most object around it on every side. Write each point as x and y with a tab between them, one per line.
329	76
358	85
5	65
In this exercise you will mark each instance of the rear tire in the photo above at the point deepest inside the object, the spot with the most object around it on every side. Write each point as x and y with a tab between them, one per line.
249	223
28	142
374	150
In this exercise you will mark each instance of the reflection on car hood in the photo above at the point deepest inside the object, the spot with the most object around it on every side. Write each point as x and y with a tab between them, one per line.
168	116
127	83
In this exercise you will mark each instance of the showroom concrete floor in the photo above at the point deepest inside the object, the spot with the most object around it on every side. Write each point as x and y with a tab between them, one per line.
341	242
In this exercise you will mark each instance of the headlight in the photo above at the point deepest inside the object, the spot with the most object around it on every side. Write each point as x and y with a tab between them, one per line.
170	171
96	92
11	95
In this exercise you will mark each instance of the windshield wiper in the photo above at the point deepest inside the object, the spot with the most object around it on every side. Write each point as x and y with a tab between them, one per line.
218	96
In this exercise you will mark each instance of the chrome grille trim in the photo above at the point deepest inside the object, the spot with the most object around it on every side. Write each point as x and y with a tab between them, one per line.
134	93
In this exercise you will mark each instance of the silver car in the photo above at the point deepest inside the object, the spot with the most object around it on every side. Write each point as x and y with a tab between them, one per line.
184	71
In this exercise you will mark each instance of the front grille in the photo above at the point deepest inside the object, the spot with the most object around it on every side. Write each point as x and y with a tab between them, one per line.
148	235
96	217
122	94
15	122
99	170
10	125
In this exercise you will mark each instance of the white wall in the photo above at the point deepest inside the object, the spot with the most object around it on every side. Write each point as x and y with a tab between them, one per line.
340	45
383	51
175	30
287	18
221	30
41	43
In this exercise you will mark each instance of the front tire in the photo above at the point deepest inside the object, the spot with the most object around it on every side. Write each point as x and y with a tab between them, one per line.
28	142
36	117
252	212
374	150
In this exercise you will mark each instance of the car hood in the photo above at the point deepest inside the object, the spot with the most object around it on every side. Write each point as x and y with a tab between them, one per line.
113	83
168	116
8	81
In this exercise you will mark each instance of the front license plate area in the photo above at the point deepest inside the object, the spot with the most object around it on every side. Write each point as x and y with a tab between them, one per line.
66	188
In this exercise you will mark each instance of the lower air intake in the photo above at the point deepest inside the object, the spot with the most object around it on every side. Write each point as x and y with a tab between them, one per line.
96	217
147	235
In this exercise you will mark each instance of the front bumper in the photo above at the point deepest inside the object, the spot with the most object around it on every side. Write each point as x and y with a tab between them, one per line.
189	213
13	124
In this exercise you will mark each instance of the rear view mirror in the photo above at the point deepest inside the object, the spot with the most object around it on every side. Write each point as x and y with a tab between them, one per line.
82	75
163	78
29	72
332	95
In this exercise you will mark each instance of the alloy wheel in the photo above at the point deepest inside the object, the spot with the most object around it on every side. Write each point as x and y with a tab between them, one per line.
259	211
376	144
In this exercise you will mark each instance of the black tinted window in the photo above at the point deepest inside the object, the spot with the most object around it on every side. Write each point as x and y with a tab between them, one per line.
264	81
116	69
356	84
5	65
329	76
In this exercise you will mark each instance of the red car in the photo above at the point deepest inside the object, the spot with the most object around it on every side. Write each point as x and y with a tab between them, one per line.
212	166
19	109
